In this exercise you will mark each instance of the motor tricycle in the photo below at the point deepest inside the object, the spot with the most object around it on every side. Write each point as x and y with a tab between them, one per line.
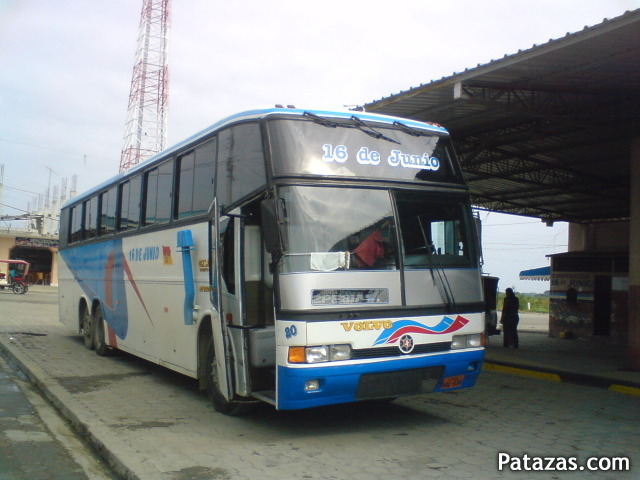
17	281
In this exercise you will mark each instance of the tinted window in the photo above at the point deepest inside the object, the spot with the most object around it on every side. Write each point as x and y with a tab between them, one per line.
75	228
204	177
158	194
241	166
354	150
130	204
185	185
108	203
91	218
196	172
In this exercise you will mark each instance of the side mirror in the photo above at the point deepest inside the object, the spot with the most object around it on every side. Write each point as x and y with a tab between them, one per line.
478	228
273	233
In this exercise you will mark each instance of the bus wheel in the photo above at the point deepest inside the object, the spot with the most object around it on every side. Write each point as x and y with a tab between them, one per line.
102	348
221	404
87	329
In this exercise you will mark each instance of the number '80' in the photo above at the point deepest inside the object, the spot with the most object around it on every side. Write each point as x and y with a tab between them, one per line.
291	331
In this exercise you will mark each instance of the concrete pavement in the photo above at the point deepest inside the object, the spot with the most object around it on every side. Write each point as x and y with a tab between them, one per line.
36	443
598	361
150	423
28	449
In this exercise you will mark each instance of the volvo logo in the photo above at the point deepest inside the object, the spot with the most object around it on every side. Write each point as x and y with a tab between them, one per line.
406	344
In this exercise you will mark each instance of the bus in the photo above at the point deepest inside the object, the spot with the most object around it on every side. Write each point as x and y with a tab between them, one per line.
296	257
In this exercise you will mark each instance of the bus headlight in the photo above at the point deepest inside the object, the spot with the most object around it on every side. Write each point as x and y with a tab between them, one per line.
319	354
475	340
316	354
339	352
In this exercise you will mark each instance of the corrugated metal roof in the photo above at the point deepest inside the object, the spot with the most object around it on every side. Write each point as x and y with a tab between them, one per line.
545	132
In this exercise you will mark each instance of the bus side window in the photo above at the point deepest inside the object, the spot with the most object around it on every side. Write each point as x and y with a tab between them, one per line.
75	224
204	178
185	185
196	181
241	164
158	182
90	218
130	204
108	211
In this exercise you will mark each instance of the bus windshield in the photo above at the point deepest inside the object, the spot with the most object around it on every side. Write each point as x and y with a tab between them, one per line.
333	228
338	228
361	150
436	231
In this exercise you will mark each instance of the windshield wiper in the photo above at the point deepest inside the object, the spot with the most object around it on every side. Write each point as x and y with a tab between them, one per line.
322	121
413	131
364	127
434	264
360	125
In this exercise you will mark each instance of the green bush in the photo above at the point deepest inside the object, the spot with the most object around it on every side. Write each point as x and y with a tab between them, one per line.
539	302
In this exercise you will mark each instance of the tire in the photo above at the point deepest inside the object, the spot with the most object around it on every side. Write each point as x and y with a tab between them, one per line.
87	329
19	288
99	339
220	404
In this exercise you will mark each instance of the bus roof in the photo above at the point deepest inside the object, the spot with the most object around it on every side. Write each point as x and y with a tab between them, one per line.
257	114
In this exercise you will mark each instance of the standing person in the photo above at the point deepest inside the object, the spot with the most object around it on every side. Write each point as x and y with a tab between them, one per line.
510	318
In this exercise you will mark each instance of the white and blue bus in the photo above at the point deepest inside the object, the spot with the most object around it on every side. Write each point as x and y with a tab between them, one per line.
296	257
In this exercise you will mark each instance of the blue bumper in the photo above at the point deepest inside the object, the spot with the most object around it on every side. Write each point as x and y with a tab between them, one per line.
338	383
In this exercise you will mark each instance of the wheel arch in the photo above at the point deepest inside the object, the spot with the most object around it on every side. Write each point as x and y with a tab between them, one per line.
204	335
94	305
83	305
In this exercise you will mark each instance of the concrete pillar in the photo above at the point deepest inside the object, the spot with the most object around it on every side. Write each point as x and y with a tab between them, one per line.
576	238
634	259
54	267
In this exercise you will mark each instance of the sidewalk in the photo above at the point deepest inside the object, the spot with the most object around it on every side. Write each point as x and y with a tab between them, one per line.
598	361
151	423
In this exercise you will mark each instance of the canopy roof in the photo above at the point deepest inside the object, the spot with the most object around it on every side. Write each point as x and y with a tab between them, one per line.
545	132
542	273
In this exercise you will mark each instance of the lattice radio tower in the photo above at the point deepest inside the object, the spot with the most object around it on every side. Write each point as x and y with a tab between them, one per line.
146	127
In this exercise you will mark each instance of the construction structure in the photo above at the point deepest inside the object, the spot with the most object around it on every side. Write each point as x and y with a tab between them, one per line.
34	238
146	126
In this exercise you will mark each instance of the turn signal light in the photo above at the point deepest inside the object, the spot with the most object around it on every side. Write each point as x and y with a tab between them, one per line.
296	355
319	354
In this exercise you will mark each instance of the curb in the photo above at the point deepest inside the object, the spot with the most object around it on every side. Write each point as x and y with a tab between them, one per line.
618	386
53	393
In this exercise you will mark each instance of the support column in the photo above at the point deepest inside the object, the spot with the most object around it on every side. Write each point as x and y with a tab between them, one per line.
634	260
53	276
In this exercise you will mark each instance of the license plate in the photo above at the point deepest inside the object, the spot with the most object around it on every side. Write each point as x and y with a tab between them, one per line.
452	382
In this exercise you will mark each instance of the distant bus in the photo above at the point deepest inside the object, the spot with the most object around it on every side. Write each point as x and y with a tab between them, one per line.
296	257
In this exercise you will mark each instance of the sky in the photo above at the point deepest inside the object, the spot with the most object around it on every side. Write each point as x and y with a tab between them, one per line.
65	73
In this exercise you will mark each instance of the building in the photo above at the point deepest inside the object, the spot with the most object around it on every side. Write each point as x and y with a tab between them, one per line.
39	250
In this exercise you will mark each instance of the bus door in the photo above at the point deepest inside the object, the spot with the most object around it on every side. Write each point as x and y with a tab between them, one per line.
231	301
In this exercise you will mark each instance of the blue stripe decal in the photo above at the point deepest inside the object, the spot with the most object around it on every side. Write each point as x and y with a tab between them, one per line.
99	270
185	244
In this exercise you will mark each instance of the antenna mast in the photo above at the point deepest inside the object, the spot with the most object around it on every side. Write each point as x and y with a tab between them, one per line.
146	127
